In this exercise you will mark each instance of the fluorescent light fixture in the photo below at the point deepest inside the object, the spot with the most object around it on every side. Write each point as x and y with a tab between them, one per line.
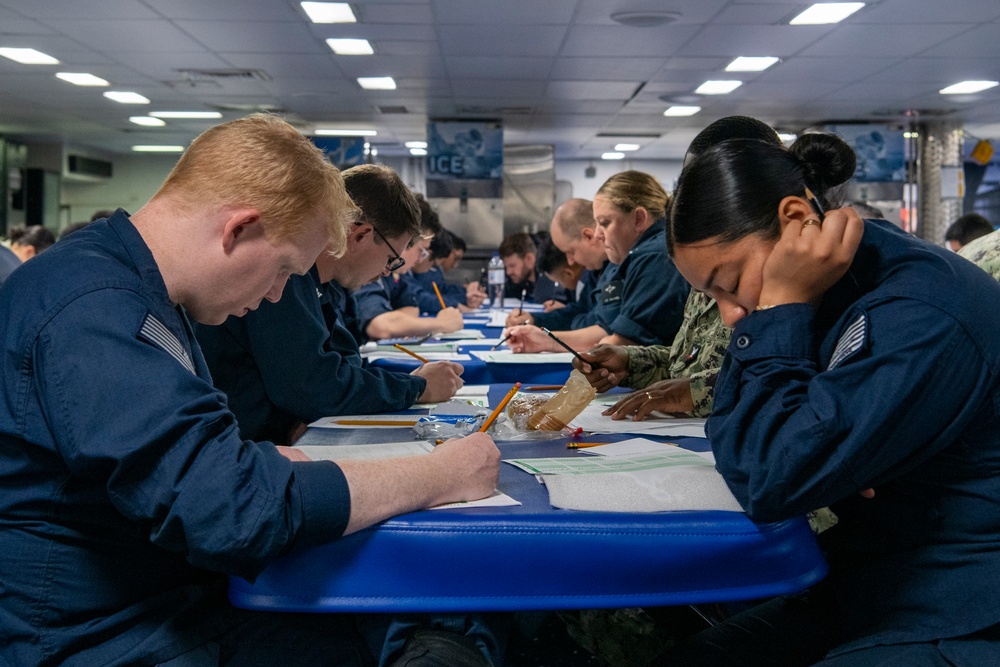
751	63
418	151
147	121
377	82
627	147
681	110
612	156
81	79
125	97
967	87
787	136
717	87
186	114
28	56
350	47
826	12
158	149
416	144
336	132
329	12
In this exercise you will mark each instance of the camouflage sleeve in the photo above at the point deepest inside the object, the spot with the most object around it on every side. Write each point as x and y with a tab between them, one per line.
984	252
647	364
702	391
696	353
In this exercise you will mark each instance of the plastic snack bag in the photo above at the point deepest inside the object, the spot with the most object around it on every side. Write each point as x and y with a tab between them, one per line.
562	408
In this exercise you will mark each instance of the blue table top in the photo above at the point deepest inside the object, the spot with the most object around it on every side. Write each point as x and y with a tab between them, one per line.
478	371
532	556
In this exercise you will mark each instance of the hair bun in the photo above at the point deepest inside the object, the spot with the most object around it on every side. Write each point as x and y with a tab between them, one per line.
827	158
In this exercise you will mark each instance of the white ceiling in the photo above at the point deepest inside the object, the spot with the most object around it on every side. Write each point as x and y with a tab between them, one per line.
555	71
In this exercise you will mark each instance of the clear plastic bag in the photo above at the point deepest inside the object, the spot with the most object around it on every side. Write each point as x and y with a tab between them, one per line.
562	408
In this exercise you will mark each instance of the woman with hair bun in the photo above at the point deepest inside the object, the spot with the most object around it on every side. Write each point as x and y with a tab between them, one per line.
863	374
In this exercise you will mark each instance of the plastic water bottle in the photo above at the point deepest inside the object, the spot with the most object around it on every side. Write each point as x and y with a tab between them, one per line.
497	279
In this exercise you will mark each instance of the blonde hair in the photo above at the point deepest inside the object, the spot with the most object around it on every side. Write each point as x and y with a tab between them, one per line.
628	190
262	162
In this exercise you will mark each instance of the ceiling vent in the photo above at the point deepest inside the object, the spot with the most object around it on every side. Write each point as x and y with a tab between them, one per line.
645	18
194	78
630	135
476	110
392	109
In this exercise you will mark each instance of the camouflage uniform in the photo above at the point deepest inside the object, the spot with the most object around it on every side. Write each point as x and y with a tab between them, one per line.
985	253
697	352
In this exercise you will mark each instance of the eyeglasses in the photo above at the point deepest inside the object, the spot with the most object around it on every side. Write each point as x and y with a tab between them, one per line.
396	262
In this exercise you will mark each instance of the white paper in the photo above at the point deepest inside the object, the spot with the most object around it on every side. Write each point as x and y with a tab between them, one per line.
667	480
631	447
508	357
473	391
495	499
461	334
429	356
593	421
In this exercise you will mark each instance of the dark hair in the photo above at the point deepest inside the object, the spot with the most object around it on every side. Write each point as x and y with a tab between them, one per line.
74	227
36	236
430	224
441	245
457	242
101	214
733	189
730	127
384	200
550	258
517	244
968	228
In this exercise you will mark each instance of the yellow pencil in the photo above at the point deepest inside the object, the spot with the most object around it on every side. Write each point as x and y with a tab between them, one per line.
583	445
498	409
440	298
544	387
412	354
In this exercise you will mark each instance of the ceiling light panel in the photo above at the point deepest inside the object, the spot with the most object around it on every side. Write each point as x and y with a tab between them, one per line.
717	87
826	12
968	87
82	79
28	56
350	47
126	97
147	121
329	12
377	82
751	63
681	110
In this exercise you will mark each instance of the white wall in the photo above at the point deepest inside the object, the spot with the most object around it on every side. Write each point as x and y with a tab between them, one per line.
572	181
136	178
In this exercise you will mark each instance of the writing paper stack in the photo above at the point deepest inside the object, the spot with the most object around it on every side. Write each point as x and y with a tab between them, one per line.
633	476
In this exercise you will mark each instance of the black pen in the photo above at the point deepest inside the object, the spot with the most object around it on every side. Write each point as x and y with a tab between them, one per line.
571	350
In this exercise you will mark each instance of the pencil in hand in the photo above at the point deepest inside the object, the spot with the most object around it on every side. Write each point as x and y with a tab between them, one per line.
563	343
440	298
411	353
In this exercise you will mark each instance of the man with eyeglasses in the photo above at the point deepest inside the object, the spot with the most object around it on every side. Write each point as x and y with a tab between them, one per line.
296	360
390	307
